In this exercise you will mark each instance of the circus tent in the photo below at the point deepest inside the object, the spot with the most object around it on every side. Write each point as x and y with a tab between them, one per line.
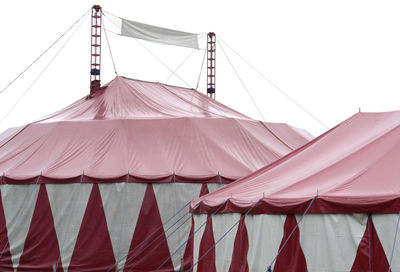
331	205
88	187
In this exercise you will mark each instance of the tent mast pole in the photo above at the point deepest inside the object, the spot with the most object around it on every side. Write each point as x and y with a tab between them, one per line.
211	39
95	49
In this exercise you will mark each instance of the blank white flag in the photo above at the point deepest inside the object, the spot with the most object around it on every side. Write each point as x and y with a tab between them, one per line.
158	34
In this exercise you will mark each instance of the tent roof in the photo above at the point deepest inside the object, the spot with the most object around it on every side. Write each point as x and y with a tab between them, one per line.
154	132
354	167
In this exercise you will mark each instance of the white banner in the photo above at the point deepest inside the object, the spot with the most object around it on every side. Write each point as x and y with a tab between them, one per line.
158	34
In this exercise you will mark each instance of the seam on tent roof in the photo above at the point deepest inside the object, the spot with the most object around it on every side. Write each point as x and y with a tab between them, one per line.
146	102
186	101
334	186
365	169
276	136
215	145
15	135
253	138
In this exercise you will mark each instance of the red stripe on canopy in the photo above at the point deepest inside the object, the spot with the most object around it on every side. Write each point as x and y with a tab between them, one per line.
370	254
149	248
41	249
93	249
291	258
240	249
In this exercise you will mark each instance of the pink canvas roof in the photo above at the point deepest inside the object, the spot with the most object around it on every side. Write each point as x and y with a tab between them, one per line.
354	167
142	131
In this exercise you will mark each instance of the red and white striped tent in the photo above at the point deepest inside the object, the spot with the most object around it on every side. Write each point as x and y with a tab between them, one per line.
88	188
331	205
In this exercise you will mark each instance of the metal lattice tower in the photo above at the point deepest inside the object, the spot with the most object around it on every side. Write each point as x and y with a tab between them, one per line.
95	51
211	39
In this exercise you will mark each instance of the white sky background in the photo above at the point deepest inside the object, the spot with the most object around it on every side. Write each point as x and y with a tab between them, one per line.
332	57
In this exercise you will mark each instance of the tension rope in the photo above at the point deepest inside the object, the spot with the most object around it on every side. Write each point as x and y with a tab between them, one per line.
242	82
45	68
44	52
184	60
192	235
223	236
109	47
163	63
151	234
149	51
394	241
159	243
276	86
201	69
158	237
269	269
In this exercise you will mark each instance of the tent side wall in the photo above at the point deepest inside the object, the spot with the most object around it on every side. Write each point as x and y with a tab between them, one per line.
95	226
321	242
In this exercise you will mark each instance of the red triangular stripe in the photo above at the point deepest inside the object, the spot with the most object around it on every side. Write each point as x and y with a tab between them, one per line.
291	257
149	247
41	249
207	262
93	249
188	255
240	249
378	260
204	189
5	255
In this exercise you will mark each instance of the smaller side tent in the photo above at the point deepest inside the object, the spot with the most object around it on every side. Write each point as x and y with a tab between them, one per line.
331	205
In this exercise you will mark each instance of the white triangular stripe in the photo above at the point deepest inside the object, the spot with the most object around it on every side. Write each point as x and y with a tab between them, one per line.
122	203
385	225
199	220
330	241
224	249
68	204
19	202
172	197
265	232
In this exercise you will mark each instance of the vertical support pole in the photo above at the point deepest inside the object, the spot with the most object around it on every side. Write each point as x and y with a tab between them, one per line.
95	49
211	47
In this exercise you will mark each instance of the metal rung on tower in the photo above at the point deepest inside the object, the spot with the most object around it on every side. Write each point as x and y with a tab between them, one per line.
211	38
95	51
